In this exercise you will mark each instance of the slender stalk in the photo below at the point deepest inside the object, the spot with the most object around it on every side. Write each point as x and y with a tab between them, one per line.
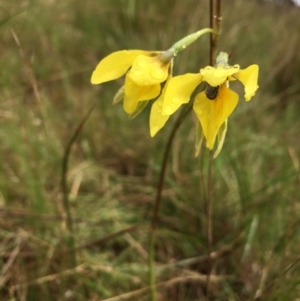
160	185
151	264
215	18
176	126
64	187
209	223
208	210
259	297
211	39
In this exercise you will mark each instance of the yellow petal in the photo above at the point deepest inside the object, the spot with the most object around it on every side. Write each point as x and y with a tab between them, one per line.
148	70
114	65
221	138
249	78
134	94
216	76
157	120
179	91
213	113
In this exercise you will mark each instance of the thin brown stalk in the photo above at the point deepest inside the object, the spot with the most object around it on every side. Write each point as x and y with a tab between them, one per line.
53	277
260	296
64	187
215	18
186	278
209	223
208	194
164	167
160	184
157	203
214	255
211	38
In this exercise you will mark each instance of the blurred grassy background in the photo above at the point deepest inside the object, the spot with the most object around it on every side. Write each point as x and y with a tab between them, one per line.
48	51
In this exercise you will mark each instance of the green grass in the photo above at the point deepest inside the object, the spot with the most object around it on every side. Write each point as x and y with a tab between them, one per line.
48	51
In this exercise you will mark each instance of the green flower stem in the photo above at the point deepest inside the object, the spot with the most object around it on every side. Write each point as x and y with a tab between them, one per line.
152	232
188	40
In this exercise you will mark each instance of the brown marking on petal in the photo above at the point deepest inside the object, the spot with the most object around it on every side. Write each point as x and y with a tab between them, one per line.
211	92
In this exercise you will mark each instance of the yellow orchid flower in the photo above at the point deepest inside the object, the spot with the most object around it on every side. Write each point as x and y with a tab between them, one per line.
214	105
148	69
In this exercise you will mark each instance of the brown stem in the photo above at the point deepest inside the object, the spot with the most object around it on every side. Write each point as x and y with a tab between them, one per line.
160	184
209	222
211	38
209	200
64	187
276	279
215	18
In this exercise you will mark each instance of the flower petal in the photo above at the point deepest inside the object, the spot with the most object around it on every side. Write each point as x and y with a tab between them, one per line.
216	76
213	113
114	65
221	138
134	94
179	91
157	119
148	70
249	78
